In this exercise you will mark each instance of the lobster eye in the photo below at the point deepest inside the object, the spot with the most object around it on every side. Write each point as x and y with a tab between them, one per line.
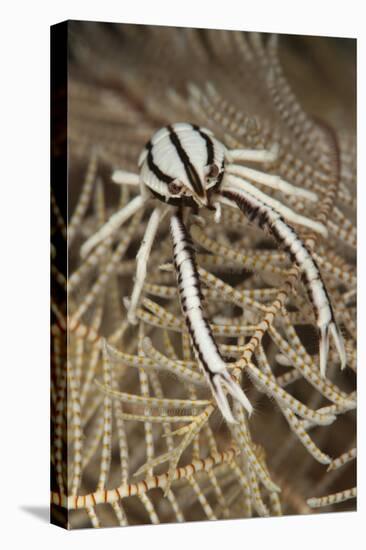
213	171
174	188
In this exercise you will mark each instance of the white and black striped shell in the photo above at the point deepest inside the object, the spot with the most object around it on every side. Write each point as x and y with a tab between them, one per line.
182	160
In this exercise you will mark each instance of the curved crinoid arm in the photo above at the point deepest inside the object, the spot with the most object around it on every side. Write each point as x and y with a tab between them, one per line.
204	345
114	223
142	258
270	220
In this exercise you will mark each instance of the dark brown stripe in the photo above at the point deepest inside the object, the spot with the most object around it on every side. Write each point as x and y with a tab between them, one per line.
154	167
191	172
209	144
255	338
94	340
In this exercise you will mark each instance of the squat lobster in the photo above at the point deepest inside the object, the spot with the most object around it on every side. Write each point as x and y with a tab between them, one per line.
184	165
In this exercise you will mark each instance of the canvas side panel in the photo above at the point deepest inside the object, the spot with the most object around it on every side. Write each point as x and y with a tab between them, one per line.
59	65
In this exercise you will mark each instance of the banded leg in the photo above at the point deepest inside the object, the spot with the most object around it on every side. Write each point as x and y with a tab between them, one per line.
241	184
269	219
204	345
142	258
114	222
